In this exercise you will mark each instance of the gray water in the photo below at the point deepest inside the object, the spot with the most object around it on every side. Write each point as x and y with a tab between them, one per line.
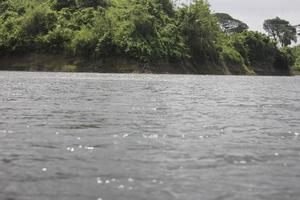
148	137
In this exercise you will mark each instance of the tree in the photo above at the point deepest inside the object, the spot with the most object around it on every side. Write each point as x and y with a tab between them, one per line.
281	31
201	31
230	25
298	29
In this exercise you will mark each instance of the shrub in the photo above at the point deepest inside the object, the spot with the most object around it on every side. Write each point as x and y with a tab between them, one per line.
201	32
232	56
38	21
254	47
143	30
84	43
296	53
57	40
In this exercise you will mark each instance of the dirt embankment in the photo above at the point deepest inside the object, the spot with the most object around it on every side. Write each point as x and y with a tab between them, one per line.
59	63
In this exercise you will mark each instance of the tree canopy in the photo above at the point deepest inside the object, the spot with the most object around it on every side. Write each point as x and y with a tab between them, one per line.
281	31
229	24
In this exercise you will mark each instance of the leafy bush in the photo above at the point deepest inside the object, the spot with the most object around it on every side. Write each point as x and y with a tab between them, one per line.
143	30
296	53
201	32
57	40
284	58
258	49
84	43
232	56
254	47
38	20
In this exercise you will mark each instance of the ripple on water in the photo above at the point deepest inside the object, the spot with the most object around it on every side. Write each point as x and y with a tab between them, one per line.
241	159
161	137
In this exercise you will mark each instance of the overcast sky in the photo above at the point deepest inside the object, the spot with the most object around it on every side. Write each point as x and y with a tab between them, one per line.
254	12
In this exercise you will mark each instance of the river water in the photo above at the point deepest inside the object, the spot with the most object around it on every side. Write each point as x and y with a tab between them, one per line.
148	137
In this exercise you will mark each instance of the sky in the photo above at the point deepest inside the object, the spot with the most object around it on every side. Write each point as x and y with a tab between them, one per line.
254	12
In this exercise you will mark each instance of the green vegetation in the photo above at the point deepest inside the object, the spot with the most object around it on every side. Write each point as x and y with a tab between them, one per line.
230	25
296	53
281	31
297	29
90	35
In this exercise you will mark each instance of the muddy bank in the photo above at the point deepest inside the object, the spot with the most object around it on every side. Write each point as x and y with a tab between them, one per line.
59	63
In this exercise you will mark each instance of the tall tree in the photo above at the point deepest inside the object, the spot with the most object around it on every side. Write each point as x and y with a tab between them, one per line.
230	25
201	31
281	31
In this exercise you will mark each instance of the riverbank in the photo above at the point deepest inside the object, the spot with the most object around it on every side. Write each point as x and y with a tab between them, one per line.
60	63
296	72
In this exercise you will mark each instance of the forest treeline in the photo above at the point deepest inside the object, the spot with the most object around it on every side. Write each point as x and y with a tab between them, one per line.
146	31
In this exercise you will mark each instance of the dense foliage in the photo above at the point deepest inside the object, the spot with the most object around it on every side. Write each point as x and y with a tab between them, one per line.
141	29
281	30
144	30
230	25
296	52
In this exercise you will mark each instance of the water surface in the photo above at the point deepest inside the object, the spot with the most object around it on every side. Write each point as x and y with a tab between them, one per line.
148	137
